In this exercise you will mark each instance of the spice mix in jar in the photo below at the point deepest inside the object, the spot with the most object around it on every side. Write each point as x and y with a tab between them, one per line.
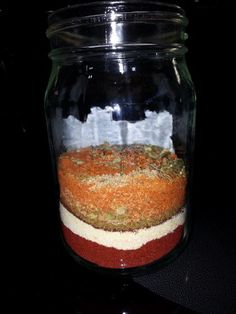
120	108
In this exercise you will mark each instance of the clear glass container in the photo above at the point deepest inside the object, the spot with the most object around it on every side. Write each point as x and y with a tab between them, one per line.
120	107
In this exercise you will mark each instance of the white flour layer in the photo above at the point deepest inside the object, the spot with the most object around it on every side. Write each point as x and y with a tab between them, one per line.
127	240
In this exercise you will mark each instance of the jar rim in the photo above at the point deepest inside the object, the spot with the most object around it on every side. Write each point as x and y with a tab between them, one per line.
160	6
91	13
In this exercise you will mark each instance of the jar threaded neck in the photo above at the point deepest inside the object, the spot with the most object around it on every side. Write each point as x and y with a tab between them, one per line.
118	25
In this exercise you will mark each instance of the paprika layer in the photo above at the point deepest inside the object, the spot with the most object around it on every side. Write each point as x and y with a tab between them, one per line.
115	249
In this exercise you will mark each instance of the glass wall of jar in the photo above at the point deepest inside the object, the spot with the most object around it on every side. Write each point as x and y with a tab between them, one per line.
120	107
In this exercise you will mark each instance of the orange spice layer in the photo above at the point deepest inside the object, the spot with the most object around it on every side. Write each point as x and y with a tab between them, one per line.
121	188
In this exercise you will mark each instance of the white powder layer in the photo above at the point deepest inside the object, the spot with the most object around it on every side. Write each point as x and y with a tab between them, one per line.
127	240
155	129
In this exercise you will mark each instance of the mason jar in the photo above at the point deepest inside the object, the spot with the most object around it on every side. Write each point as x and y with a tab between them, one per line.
120	108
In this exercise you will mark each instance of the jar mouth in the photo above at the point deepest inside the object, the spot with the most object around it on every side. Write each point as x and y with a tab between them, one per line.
101	12
117	25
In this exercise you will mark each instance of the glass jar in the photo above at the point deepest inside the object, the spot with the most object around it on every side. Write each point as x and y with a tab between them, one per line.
120	107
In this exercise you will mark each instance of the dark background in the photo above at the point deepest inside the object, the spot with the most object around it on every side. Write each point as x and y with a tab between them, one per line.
37	270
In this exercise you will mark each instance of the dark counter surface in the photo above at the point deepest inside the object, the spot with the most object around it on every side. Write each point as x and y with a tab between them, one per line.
203	278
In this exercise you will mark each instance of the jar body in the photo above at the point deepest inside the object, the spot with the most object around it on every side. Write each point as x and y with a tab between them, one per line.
121	127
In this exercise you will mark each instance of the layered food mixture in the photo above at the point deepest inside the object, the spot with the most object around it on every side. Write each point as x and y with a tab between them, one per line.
122	206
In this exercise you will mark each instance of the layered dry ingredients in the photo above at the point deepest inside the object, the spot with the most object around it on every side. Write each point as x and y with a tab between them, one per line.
122	206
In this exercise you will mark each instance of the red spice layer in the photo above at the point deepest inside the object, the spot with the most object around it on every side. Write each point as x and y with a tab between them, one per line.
114	258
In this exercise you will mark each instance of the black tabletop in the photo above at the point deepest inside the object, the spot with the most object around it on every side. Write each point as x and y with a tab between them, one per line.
203	278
